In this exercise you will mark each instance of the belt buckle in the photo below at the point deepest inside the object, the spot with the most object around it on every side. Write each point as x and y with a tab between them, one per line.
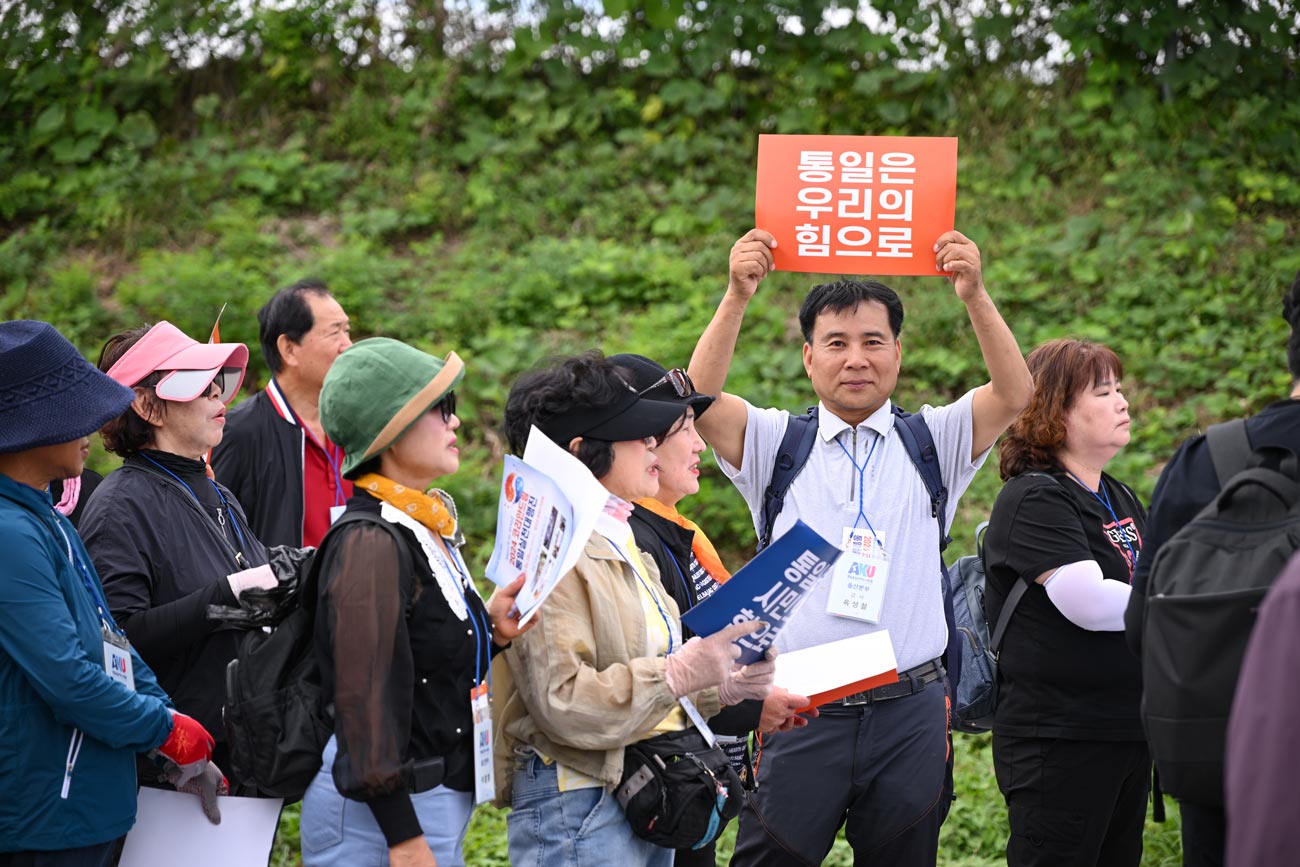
857	699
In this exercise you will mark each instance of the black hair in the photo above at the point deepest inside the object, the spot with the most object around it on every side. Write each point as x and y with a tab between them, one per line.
542	397
1291	312
366	467
287	313
847	295
129	432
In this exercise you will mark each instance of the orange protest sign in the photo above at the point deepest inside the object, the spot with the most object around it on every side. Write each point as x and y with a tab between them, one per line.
856	204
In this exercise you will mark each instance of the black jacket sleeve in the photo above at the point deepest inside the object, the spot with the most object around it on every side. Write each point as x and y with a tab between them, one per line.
364	602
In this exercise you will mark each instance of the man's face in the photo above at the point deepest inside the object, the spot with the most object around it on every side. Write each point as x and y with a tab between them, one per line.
328	337
853	360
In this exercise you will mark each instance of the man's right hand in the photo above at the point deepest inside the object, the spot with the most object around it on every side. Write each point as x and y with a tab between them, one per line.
779	711
751	259
414	852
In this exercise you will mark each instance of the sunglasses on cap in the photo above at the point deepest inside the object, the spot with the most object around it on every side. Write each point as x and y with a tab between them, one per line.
446	407
183	386
679	379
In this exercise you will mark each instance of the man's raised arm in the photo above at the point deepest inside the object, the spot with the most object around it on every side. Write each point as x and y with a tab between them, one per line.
723	426
1010	385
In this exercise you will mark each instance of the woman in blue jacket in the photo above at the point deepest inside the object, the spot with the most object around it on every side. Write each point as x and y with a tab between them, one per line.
76	702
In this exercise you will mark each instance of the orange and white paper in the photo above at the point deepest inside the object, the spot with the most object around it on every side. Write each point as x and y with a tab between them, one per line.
849	204
826	672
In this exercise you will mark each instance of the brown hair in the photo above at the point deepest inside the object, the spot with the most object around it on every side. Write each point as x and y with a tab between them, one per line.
128	433
1062	369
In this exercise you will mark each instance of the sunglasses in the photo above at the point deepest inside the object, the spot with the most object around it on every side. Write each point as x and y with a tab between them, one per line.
447	406
186	385
679	379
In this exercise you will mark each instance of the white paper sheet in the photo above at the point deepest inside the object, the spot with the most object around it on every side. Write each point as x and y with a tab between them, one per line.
170	830
825	667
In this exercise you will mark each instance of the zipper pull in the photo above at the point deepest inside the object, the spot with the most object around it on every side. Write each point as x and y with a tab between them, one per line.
221	517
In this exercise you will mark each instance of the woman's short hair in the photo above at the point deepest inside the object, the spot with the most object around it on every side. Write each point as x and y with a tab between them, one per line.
586	381
1062	369
129	433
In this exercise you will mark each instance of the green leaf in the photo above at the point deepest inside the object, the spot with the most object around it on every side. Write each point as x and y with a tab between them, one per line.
49	121
137	129
94	120
206	106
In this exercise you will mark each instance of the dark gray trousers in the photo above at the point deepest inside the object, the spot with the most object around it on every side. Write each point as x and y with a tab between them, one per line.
879	769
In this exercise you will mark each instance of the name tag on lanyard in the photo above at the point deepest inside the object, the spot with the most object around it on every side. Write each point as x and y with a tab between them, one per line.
484	773
117	658
859	577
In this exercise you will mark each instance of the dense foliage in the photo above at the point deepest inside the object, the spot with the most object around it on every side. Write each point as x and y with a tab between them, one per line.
518	179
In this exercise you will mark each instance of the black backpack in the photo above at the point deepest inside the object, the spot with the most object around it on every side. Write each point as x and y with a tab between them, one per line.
1204	591
792	454
277	723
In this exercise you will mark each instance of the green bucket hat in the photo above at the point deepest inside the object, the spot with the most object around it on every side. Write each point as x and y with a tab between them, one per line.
376	390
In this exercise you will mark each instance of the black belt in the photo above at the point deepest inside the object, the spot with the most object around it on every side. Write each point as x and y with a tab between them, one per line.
909	682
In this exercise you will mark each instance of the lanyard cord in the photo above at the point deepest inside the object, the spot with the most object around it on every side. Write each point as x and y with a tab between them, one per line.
1104	499
862	474
339	499
234	522
481	648
668	623
96	595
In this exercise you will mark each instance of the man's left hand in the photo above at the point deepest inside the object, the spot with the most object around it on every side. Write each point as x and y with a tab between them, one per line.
959	259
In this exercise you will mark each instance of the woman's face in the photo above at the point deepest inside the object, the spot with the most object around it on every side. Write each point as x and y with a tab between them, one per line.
635	471
188	428
1097	423
679	461
427	451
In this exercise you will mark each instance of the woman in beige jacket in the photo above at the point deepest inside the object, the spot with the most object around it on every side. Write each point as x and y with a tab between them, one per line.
606	666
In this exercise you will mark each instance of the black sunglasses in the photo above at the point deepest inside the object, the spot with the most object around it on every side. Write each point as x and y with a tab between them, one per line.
679	379
447	406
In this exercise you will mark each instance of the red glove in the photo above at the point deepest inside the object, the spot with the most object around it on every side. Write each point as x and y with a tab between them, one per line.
189	741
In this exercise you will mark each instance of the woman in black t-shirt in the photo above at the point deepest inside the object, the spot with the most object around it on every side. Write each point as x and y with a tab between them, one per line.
1068	746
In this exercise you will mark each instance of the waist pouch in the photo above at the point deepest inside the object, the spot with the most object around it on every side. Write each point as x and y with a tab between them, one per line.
677	791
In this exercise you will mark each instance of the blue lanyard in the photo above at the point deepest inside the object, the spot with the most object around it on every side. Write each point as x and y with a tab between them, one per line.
339	499
1104	499
862	477
92	586
481	648
233	521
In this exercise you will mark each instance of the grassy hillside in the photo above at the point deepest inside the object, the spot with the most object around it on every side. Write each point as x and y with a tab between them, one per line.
543	181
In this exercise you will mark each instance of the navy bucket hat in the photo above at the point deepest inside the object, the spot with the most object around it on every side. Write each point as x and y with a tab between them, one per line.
49	394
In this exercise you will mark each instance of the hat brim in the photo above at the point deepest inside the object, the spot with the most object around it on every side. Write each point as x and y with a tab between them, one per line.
641	418
75	412
452	372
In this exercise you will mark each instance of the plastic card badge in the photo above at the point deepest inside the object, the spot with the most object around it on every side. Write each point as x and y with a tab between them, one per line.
859	577
484	779
117	658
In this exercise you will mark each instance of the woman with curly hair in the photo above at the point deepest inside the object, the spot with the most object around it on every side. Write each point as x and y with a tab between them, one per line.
1064	536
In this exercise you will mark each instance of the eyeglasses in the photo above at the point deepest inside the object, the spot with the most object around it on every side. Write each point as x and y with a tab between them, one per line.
679	379
447	406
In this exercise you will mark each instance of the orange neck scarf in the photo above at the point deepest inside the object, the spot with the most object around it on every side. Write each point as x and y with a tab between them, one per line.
701	547
429	509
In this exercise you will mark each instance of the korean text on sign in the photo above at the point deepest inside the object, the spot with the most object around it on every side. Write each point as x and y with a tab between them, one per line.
856	204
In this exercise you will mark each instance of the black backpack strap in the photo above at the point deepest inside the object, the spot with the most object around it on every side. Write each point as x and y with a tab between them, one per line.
311	589
796	445
1229	448
919	443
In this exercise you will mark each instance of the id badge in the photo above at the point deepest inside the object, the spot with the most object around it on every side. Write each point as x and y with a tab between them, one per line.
484	773
859	577
117	658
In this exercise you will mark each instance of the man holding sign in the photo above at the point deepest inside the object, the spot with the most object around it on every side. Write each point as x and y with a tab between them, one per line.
875	759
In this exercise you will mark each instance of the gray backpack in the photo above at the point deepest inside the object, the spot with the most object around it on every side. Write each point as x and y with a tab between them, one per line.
1206	585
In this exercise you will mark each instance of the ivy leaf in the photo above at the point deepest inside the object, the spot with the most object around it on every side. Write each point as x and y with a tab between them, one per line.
94	120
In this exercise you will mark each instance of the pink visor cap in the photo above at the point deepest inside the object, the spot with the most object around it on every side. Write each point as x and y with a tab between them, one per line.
193	366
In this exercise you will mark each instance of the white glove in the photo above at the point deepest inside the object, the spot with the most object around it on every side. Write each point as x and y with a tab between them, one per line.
260	577
753	681
705	662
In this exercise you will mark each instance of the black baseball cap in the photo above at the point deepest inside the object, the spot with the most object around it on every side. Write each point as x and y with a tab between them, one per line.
652	380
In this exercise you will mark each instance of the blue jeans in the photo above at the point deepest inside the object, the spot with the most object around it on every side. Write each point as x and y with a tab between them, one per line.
339	832
581	828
